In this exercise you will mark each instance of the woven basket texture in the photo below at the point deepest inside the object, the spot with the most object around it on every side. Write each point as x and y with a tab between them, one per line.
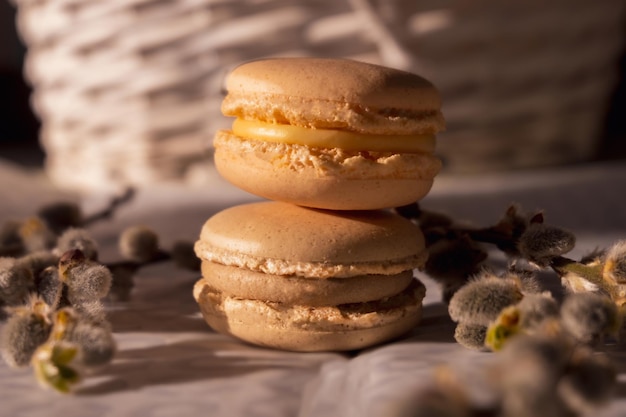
128	91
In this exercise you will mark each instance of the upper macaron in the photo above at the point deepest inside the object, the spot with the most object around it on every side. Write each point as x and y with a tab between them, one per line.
334	94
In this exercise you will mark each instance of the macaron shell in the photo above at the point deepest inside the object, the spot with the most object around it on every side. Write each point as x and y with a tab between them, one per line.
310	329
328	179
314	113
323	163
244	283
283	239
340	80
333	94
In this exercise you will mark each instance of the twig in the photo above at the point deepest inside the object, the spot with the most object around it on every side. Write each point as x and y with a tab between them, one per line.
108	211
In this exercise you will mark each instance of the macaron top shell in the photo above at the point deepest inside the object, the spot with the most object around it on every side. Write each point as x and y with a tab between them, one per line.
341	80
285	239
333	93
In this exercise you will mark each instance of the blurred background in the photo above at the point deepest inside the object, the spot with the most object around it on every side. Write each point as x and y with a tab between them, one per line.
105	93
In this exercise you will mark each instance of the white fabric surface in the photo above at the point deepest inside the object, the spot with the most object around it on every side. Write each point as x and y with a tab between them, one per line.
170	363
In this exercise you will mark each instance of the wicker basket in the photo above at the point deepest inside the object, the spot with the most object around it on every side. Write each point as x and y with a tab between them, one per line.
128	91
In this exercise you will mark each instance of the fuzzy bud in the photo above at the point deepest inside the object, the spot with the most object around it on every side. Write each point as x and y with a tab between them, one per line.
530	368
38	261
61	216
78	239
123	282
36	235
589	382
526	280
95	342
68	262
453	260
481	300
93	311
24	331
512	225
184	256
540	243
9	233
49	286
139	244
88	282
16	282
590	317
471	336
534	309
447	396
534	359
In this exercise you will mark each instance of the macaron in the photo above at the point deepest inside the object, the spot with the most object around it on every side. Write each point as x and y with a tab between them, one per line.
304	279
329	133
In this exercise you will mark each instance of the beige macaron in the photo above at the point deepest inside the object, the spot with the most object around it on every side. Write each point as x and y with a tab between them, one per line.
330	133
304	279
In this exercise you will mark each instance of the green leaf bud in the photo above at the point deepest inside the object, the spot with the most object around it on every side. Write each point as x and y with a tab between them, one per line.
53	367
503	328
63	321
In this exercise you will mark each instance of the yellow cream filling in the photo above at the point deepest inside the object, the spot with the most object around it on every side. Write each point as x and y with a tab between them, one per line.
329	138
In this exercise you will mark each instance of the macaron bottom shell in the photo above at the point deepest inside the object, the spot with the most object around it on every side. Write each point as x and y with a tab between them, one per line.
324	178
293	289
312	329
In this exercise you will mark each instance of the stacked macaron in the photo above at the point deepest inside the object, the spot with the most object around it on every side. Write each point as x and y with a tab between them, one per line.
324	266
